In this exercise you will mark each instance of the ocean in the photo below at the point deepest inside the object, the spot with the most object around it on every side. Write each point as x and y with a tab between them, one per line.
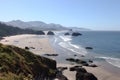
105	44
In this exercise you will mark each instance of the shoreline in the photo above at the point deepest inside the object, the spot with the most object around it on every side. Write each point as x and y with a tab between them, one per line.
40	43
42	46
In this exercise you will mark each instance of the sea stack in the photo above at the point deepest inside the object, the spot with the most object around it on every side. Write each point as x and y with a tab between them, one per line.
67	34
50	33
76	34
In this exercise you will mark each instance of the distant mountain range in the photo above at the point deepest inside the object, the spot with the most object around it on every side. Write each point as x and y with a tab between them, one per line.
39	25
35	25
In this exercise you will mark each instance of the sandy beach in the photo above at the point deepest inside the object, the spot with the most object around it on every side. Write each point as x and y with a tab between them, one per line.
42	46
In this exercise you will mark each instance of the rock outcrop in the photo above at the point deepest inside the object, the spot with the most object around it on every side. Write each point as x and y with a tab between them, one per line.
67	34
50	33
93	65
76	34
85	76
88	63
82	74
51	54
78	61
88	48
59	73
27	48
90	76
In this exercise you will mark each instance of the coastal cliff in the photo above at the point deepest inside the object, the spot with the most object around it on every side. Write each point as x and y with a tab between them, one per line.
20	64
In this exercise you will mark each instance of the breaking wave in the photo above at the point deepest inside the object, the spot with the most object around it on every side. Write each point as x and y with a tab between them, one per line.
66	43
113	61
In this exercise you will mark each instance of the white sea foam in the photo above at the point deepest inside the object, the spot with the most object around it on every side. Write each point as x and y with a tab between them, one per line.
76	46
73	48
55	40
113	61
66	43
65	38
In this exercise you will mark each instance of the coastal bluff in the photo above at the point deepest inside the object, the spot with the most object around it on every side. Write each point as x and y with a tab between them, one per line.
20	64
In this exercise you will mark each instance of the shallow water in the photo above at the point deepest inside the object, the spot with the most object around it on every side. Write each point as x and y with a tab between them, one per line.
106	46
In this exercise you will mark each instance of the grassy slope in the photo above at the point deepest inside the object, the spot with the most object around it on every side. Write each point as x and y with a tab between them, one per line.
19	63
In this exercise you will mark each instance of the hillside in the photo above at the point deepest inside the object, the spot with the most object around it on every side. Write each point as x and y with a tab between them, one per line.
35	25
39	25
6	30
20	64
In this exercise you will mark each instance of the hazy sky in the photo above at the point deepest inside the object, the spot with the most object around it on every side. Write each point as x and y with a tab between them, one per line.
93	14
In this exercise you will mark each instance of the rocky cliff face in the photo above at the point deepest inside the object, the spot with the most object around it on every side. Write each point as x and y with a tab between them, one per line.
20	64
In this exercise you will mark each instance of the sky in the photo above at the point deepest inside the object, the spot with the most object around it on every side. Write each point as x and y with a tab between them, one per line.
91	14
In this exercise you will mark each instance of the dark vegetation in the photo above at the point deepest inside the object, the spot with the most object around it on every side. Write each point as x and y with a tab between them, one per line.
20	64
6	30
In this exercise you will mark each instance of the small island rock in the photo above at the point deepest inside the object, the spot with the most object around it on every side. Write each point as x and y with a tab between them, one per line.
50	33
88	48
67	34
76	34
